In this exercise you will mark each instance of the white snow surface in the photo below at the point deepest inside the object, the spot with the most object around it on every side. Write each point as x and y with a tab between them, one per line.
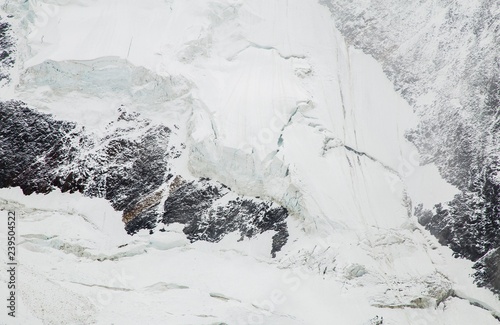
274	104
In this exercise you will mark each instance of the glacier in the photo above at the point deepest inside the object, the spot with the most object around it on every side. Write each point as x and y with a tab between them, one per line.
224	162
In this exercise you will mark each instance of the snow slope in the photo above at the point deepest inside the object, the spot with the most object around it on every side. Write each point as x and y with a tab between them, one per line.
442	56
270	101
77	267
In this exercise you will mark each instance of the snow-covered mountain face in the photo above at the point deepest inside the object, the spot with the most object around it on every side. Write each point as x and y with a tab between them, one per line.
241	162
443	58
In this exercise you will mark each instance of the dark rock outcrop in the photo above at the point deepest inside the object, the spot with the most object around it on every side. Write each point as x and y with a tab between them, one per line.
198	205
7	48
129	167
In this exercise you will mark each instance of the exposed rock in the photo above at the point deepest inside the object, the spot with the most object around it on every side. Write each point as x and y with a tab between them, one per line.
128	167
200	206
7	49
488	267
